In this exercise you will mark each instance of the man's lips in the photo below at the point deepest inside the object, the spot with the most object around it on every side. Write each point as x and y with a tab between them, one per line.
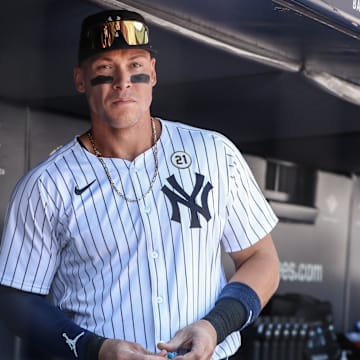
120	101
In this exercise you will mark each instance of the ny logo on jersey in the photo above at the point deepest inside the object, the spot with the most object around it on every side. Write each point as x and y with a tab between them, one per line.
189	200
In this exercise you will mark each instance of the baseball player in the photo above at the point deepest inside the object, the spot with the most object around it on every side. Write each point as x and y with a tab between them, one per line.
112	246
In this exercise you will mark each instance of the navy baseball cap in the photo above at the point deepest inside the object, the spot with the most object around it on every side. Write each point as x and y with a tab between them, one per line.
111	30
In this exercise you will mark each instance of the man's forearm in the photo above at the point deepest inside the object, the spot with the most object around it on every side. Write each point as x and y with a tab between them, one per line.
260	271
42	324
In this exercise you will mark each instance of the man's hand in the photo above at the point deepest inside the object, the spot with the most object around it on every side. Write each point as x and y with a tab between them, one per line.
198	340
113	349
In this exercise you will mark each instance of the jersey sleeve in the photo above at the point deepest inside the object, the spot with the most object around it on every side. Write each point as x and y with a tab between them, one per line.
28	250
249	215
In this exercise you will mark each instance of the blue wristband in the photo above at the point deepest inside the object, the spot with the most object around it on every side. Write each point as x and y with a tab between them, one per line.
237	306
246	296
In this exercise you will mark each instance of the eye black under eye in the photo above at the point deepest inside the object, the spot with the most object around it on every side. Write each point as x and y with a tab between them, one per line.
140	78
101	79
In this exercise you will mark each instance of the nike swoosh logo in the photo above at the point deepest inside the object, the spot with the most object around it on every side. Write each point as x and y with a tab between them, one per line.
80	191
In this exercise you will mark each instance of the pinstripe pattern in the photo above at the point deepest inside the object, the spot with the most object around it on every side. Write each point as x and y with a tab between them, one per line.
126	270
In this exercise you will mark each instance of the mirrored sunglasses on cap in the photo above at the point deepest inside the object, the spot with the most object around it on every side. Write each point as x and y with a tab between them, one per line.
103	36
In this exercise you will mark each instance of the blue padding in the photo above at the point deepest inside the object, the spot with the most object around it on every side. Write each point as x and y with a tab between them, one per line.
246	296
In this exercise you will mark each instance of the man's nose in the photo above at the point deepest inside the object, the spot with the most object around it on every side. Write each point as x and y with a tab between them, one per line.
121	79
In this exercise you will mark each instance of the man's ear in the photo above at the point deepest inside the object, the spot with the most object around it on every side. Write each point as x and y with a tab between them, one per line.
153	80
153	72
79	80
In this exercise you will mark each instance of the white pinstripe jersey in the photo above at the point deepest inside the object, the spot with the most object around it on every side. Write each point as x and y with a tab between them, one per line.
135	271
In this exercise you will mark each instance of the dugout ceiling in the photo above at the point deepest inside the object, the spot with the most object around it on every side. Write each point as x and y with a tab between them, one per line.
241	67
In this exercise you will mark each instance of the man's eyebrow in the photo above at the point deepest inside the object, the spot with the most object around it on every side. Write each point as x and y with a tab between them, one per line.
103	58
137	56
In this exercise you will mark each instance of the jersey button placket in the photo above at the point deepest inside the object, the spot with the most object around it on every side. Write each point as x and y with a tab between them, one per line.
134	169
152	228
135	174
159	300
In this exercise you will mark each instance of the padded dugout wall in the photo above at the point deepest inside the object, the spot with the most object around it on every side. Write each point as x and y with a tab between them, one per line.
352	309
315	257
12	166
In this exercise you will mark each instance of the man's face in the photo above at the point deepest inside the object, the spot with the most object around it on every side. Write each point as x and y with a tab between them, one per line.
118	85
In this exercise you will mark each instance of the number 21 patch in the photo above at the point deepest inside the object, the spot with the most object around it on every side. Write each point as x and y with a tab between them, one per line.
181	159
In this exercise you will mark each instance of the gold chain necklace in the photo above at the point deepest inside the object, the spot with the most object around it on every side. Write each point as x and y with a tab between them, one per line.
156	171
